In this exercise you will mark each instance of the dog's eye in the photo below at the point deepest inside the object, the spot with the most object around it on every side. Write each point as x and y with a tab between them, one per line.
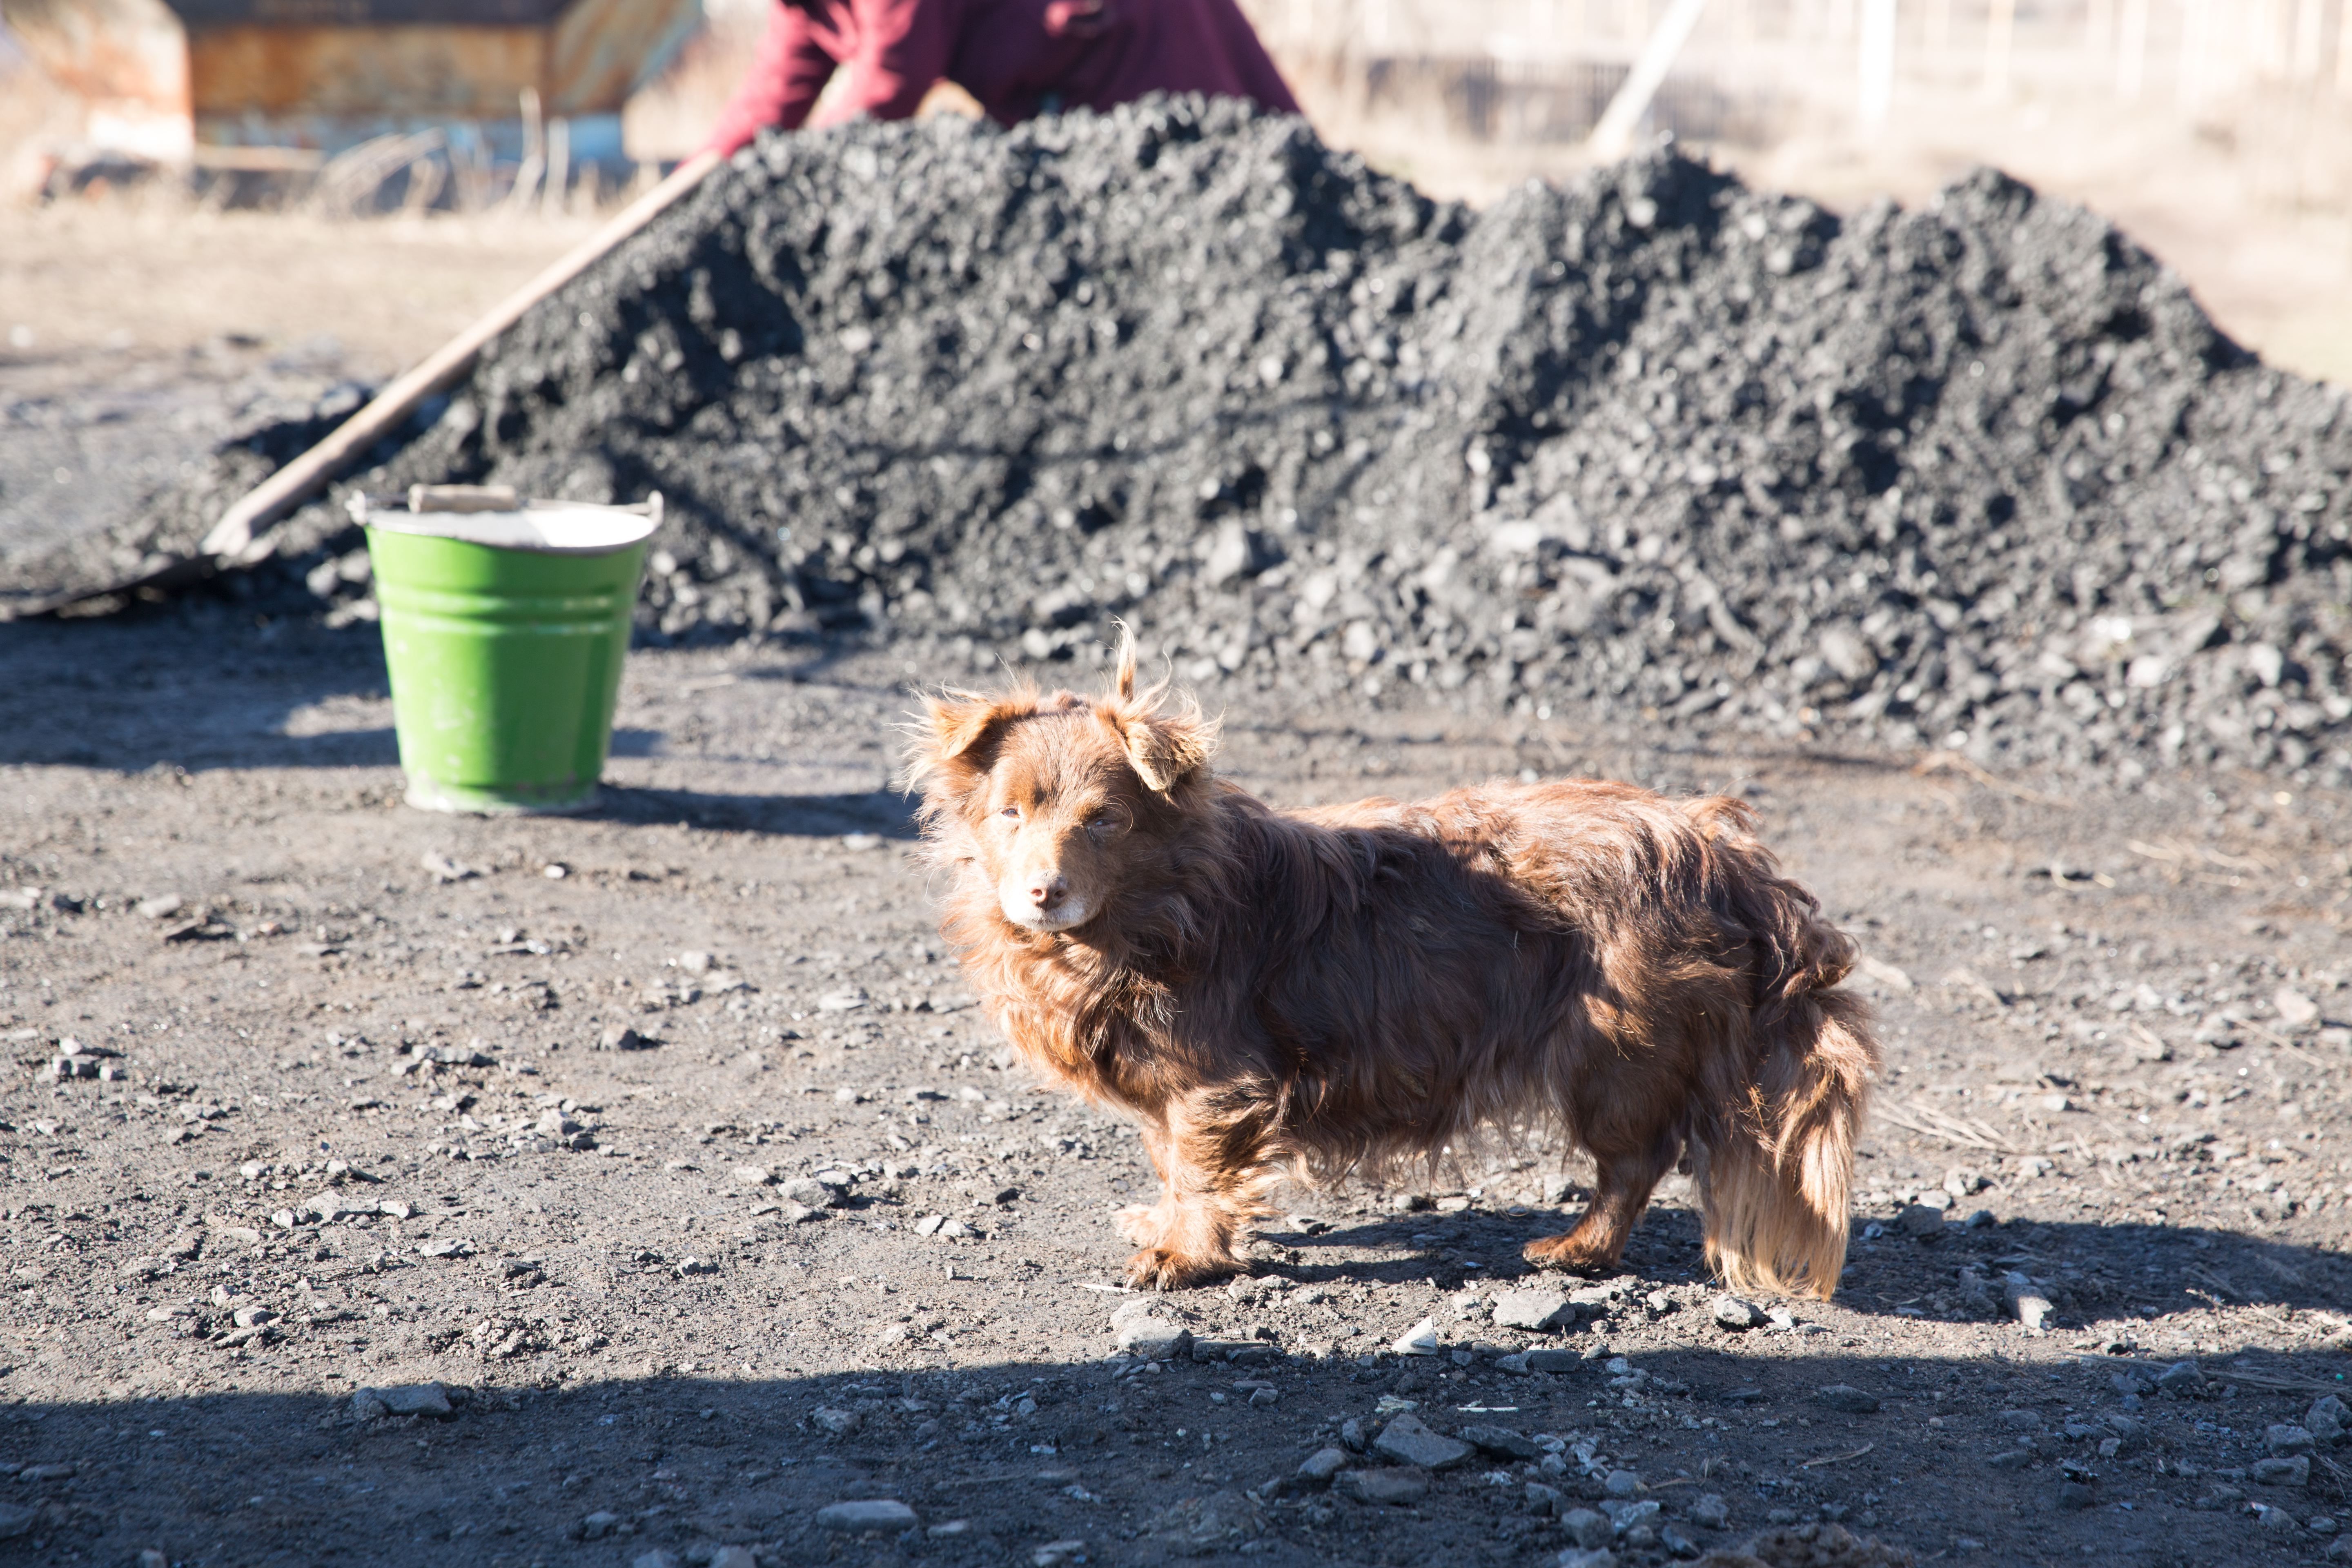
1010	813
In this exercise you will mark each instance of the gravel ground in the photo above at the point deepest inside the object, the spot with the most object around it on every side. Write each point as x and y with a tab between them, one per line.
421	1205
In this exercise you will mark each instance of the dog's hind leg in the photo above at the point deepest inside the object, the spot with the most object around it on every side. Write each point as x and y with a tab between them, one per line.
1620	1191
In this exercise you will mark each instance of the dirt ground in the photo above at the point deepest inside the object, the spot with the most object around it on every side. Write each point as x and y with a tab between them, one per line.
352	1138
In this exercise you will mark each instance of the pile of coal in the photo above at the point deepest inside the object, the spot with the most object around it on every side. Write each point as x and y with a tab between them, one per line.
1981	476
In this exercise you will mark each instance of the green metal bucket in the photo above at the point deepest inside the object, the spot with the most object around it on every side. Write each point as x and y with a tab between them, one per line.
504	631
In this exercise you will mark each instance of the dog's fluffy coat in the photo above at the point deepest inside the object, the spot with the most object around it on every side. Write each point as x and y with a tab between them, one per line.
1271	993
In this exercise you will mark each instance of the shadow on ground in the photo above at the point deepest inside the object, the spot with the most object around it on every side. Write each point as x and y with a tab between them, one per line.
2116	1272
1143	1462
886	813
189	685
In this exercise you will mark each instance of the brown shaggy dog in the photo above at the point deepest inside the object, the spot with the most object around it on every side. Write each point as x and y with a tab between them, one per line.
1311	992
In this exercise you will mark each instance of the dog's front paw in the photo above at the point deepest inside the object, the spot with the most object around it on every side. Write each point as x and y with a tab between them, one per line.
1160	1268
1144	1224
1566	1253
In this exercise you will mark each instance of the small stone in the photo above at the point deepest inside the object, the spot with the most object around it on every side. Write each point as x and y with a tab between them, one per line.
1351	1435
1150	1336
1921	1219
1579	1557
1322	1464
598	1525
157	908
815	1195
1554	1360
1710	1510
2326	1419
2287	1440
1499	1442
656	1557
1396	1487
878	1513
1542	1500
1846	1397
1055	1554
1963	1182
1408	1202
620	1038
366	1406
15	1521
1538	1312
1731	1313
1621	1484
1409	1441
2181	1378
413	1399
840	1423
151	1558
2294	1008
693	962
2074	1496
2281	1472
1587	1529
1419	1340
1672	1538
754	1176
2025	1303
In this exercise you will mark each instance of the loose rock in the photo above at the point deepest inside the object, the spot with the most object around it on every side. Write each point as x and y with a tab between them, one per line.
1731	1313
1587	1529
878	1513
1419	1340
1397	1488
1409	1441
1322	1465
1499	1442
1539	1311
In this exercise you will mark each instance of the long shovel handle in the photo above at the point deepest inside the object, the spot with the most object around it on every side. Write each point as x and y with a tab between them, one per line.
234	537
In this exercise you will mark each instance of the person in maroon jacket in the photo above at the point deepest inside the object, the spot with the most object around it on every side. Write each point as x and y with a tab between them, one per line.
1018	57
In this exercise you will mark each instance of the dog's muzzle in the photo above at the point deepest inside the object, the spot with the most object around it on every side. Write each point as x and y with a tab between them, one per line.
1041	902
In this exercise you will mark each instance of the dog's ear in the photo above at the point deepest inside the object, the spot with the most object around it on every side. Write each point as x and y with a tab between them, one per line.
1123	684
961	730
1165	750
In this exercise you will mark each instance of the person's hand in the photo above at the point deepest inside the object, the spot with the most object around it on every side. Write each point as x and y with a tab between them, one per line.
1078	19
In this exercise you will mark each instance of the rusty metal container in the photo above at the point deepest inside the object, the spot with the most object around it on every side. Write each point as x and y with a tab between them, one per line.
162	77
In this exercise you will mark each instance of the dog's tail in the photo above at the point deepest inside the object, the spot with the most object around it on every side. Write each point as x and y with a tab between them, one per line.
1775	1174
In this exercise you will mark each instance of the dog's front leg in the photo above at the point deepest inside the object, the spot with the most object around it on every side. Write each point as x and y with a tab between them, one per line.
1214	1176
1144	1224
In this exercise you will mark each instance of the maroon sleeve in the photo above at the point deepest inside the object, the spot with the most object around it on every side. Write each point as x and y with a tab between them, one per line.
1253	70
791	69
902	51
